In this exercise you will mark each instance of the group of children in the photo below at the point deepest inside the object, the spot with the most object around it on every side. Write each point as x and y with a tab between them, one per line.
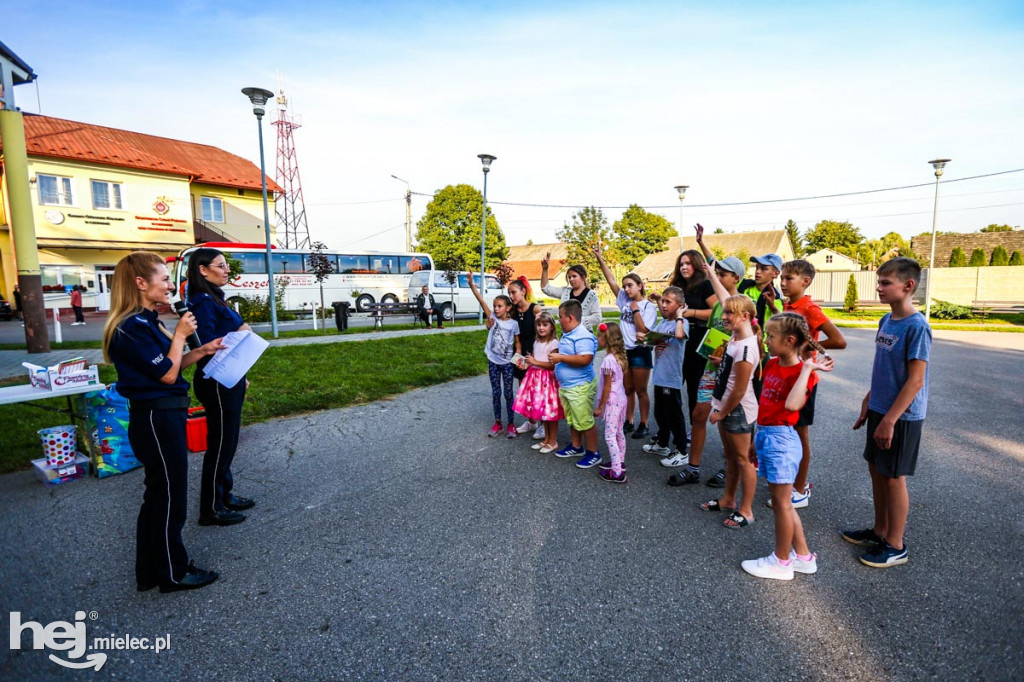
759	389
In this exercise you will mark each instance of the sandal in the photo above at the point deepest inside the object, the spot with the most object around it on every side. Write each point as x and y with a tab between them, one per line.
714	506
736	521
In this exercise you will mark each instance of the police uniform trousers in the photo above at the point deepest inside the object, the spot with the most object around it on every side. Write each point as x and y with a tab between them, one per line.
157	437
223	424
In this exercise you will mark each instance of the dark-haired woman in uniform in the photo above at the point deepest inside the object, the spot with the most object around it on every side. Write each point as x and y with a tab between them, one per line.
207	272
149	360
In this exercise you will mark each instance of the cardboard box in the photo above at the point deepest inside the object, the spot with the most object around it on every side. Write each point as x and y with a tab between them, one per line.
49	379
58	475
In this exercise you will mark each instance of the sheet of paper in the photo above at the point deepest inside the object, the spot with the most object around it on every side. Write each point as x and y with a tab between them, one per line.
229	364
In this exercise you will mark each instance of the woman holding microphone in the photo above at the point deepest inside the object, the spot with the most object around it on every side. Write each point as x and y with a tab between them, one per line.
149	360
207	272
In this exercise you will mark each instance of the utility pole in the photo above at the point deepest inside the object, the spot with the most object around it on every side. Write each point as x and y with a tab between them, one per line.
408	213
13	71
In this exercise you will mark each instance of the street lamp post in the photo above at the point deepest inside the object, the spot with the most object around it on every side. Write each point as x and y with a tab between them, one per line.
938	165
408	213
682	194
486	160
259	97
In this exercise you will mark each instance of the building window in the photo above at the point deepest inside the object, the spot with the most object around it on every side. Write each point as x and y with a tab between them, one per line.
828	258
106	194
213	210
55	190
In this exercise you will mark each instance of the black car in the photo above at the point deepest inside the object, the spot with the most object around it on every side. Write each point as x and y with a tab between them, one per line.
5	309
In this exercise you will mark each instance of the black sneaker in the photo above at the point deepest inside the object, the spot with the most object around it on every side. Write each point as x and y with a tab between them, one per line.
683	478
864	538
884	555
717	481
627	427
641	432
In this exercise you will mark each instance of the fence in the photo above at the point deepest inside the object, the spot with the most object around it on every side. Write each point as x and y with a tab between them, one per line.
956	285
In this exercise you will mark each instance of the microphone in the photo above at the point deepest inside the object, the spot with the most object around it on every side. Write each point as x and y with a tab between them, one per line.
193	340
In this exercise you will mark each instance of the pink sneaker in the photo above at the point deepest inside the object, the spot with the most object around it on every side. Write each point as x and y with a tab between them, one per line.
511	432
495	430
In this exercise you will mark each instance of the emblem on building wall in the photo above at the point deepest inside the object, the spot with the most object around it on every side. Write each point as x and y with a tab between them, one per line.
54	217
162	205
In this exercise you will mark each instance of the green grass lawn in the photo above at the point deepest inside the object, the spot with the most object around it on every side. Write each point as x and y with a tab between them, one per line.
292	380
65	345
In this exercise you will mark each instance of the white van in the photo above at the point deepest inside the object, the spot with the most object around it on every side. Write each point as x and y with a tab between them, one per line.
453	299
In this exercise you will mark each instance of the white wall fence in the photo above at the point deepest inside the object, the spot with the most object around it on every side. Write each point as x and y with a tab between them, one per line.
956	285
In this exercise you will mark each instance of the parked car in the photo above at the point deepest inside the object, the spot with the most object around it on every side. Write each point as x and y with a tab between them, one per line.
6	313
452	299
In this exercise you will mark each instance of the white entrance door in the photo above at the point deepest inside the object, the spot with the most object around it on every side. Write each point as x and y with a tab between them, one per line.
104	275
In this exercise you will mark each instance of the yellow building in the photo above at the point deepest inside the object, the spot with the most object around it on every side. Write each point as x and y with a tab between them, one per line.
100	193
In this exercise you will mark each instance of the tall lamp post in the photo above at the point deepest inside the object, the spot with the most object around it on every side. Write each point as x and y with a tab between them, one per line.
408	213
682	194
259	97
938	165
486	160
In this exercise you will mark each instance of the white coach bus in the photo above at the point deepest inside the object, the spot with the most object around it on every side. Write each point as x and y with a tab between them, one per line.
360	277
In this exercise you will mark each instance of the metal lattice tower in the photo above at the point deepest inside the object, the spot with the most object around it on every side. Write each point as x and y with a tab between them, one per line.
291	209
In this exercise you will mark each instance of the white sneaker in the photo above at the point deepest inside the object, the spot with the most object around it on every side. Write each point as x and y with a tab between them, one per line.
807	567
656	449
526	427
677	459
539	433
767	567
801	500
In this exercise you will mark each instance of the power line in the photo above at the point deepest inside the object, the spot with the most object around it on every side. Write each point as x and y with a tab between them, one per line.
751	203
353	203
375	234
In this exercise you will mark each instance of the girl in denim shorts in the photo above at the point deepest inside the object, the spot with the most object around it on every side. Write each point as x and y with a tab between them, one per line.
788	381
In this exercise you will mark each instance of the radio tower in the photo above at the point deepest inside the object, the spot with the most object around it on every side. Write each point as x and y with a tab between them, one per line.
291	209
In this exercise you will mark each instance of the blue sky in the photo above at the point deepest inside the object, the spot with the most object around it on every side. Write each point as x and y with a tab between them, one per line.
582	103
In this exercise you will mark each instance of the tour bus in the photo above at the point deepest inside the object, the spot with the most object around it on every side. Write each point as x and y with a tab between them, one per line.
360	277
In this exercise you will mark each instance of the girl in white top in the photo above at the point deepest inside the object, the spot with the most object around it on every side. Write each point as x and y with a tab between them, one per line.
637	315
577	291
502	344
734	406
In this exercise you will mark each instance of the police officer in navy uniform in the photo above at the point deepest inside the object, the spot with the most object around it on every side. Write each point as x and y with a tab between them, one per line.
149	360
218	506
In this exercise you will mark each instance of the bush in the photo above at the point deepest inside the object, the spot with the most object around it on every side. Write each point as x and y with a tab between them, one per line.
1017	258
958	259
850	302
1000	256
944	310
258	308
977	258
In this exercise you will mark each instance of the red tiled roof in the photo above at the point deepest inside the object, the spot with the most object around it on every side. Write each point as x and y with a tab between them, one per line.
63	139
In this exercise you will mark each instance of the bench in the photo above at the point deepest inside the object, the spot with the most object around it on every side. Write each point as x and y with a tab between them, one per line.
379	310
983	308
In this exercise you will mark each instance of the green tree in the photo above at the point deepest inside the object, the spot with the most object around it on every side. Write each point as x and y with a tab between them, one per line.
996	228
588	228
1016	258
958	259
450	229
718	252
322	267
977	258
795	238
640	233
830	234
850	302
743	254
1000	256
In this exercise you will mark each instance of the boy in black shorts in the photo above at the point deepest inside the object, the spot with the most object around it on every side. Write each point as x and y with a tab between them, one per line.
894	410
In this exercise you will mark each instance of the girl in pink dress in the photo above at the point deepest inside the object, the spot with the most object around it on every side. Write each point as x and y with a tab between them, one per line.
611	399
537	399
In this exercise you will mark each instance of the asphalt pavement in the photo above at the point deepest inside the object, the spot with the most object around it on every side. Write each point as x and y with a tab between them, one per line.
396	541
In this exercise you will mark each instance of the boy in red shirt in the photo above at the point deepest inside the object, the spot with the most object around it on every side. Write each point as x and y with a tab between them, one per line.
797	275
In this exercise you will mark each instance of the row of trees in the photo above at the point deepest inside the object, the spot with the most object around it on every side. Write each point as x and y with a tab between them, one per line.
846	239
450	232
1000	256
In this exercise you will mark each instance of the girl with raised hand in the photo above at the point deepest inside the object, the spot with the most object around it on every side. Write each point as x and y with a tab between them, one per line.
502	344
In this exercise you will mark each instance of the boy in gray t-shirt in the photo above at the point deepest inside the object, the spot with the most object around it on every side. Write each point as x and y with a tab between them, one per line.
894	411
668	380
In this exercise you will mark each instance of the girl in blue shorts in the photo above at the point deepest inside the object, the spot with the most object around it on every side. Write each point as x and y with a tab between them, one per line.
787	383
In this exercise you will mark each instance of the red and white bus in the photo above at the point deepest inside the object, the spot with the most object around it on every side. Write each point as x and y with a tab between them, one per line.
360	277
